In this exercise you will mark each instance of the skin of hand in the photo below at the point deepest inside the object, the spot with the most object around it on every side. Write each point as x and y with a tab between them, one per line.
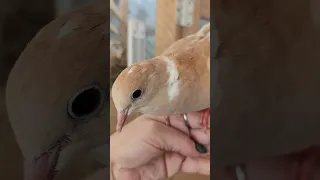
148	149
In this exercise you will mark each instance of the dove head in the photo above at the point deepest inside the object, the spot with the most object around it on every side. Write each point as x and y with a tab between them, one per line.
136	86
56	97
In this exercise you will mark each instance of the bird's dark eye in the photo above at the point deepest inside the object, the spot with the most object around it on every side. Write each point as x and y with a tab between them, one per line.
136	94
85	102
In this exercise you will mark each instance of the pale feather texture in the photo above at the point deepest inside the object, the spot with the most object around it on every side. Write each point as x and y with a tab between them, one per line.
66	56
176	82
204	31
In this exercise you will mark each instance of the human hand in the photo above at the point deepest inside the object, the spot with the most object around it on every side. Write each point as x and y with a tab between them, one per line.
147	149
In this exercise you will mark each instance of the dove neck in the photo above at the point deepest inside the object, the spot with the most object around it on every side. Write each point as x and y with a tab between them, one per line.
156	77
160	76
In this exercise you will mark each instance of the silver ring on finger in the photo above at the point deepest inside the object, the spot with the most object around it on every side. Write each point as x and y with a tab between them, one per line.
185	118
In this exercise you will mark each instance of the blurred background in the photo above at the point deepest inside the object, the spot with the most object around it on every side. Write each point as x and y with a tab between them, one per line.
159	28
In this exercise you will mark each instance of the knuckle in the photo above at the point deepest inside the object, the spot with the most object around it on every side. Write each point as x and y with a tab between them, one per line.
152	127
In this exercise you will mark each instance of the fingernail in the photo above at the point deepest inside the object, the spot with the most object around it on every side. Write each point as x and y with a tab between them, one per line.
200	148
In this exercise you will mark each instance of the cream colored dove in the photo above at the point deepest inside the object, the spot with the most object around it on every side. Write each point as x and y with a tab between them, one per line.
57	95
176	82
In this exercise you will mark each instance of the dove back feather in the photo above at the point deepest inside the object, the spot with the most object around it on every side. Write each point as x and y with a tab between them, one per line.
204	31
191	57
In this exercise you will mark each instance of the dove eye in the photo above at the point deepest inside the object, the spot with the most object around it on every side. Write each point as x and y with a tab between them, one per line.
136	94
86	102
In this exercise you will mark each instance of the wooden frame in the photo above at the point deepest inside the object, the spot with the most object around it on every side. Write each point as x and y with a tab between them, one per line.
205	9
118	56
115	10
114	29
122	15
167	31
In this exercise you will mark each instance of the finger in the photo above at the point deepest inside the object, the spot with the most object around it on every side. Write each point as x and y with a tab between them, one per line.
201	136
194	119
176	121
174	140
173	163
196	165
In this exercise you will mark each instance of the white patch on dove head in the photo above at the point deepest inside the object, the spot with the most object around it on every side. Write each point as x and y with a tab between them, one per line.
173	86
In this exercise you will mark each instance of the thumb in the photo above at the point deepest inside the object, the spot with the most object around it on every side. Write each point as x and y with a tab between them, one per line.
171	139
196	165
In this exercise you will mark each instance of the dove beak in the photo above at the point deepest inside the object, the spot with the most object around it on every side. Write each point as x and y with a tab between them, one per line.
121	118
48	159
